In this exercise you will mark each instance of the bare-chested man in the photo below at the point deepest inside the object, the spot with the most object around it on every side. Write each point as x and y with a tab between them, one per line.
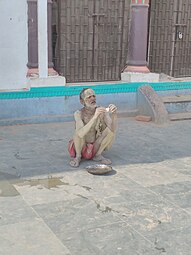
94	132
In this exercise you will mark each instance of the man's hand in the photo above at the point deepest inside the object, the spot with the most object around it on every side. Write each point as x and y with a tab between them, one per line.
112	108
99	110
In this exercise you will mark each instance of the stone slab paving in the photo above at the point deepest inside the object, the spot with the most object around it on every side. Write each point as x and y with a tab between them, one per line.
142	207
30	237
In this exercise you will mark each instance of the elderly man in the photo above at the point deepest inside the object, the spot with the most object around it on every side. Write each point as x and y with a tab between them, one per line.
95	129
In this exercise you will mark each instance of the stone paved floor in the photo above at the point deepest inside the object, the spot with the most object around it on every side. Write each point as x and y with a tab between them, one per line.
142	207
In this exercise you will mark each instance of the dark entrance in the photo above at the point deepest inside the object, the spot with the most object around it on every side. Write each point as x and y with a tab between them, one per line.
170	37
92	37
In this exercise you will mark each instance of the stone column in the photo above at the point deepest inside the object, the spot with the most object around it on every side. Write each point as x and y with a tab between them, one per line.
32	35
137	48
33	39
50	62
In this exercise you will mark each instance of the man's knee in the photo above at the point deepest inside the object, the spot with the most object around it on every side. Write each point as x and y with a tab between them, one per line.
110	134
107	142
110	137
77	138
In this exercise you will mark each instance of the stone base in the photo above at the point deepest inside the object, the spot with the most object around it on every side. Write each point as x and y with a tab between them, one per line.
139	77
34	72
51	81
150	104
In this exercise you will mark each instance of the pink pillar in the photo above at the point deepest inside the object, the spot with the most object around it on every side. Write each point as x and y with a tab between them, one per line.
33	39
32	34
137	48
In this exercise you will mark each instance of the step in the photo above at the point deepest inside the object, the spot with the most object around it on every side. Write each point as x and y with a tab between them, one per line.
176	99
180	116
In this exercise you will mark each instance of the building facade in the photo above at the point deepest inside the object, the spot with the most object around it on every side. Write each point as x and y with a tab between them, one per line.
91	40
13	44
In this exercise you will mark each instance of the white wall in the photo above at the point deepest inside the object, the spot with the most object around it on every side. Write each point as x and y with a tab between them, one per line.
13	44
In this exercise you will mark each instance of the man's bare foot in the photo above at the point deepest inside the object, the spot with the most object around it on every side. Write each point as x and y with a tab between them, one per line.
75	162
101	159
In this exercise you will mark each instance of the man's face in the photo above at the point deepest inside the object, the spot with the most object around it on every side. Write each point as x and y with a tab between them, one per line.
89	98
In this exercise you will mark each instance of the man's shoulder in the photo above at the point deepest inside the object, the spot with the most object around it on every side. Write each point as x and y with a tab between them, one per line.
78	113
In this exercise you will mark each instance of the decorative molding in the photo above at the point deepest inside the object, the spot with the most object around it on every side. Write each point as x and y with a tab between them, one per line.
140	1
100	89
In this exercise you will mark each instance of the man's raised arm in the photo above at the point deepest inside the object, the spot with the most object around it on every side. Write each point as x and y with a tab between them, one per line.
82	129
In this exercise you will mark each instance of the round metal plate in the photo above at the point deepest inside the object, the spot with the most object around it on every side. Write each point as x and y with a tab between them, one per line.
99	169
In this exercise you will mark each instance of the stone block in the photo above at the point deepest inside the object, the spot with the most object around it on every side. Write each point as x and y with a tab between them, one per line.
139	77
150	104
143	118
50	81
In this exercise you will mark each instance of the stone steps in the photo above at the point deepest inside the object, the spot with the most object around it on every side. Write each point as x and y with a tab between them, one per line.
176	99
178	106
180	116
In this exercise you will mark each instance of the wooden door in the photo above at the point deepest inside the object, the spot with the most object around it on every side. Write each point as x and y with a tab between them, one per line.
182	40
170	37
92	39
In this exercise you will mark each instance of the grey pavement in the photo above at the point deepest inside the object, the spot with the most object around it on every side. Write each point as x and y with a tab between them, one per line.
142	207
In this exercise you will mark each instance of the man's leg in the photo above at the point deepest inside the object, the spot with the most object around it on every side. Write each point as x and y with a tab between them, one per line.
78	143
104	142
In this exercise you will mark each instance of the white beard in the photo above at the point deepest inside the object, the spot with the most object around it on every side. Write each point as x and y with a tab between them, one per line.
91	106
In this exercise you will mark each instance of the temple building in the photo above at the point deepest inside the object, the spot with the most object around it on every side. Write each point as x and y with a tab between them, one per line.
51	43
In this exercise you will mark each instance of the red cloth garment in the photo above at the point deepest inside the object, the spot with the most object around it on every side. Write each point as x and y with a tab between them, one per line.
87	151
71	149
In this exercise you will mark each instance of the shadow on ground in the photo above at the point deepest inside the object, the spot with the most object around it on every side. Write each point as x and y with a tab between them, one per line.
41	149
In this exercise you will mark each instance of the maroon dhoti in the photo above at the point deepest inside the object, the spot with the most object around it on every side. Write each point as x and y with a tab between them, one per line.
87	151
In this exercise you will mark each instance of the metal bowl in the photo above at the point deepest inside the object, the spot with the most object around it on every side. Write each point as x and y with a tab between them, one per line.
99	169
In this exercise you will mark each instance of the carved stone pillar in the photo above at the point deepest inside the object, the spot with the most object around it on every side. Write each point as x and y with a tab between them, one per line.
50	62
32	35
33	38
137	48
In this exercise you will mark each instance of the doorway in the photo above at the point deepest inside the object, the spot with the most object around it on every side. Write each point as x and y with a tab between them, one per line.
92	39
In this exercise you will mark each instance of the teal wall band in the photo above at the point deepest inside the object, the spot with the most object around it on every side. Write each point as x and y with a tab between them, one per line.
99	89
